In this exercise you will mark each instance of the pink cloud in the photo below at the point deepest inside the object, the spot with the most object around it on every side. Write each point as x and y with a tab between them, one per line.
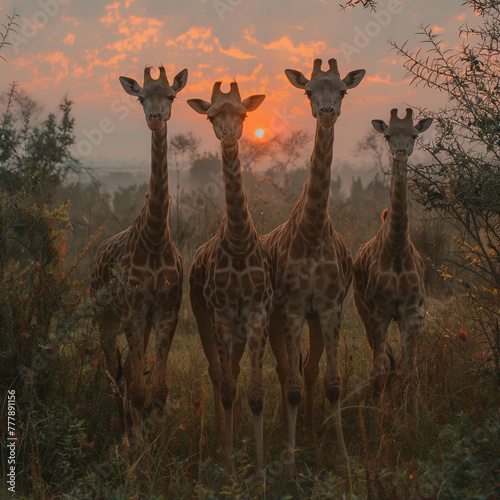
233	51
305	50
69	39
386	81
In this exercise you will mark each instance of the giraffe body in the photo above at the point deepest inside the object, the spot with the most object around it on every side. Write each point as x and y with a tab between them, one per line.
312	267
388	270
147	294
230	283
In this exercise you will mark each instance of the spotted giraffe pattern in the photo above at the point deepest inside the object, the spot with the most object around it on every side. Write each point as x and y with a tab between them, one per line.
388	270
146	294
230	283
312	266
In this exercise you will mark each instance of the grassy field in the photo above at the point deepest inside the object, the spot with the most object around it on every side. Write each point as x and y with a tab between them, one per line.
69	449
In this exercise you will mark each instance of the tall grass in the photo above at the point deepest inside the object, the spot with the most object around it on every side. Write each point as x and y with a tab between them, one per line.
69	448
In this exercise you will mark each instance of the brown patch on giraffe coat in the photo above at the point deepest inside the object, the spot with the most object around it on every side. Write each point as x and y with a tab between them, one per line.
297	248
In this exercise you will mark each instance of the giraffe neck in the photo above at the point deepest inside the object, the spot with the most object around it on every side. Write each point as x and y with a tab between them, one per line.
239	223
156	223
317	188
397	218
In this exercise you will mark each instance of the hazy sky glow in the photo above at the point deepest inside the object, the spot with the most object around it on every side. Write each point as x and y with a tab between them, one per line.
80	48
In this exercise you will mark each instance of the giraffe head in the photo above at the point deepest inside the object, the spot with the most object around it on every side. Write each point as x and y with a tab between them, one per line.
155	96
226	111
325	89
400	134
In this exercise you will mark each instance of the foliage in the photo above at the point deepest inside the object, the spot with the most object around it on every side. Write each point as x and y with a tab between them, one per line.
372	4
8	28
461	182
35	156
466	464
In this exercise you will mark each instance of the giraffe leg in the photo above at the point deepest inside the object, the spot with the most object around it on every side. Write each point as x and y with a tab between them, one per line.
376	332
412	324
134	373
207	337
381	366
311	371
108	324
237	349
330	327
223	327
164	333
293	333
255	393
278	346
147	335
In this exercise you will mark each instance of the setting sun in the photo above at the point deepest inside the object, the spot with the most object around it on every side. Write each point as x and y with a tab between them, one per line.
259	133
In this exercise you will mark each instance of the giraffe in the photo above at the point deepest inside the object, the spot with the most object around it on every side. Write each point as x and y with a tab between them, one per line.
388	270
148	293
230	284
311	264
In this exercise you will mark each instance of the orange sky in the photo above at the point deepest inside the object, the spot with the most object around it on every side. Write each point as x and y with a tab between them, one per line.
81	48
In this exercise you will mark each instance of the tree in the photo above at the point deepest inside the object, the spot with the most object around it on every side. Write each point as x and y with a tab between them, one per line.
374	146
184	149
8	29
462	181
35	289
35	154
364	3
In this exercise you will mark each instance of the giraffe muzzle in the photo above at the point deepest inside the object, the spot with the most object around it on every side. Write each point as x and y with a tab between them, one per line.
327	117
155	121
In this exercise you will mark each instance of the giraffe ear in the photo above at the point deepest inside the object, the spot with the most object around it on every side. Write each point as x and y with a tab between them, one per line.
253	102
296	78
380	126
199	105
130	85
423	125
180	80
353	78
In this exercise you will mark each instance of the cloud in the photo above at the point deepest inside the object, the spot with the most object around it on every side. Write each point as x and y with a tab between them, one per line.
195	38
48	69
386	81
69	39
73	20
233	52
284	44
